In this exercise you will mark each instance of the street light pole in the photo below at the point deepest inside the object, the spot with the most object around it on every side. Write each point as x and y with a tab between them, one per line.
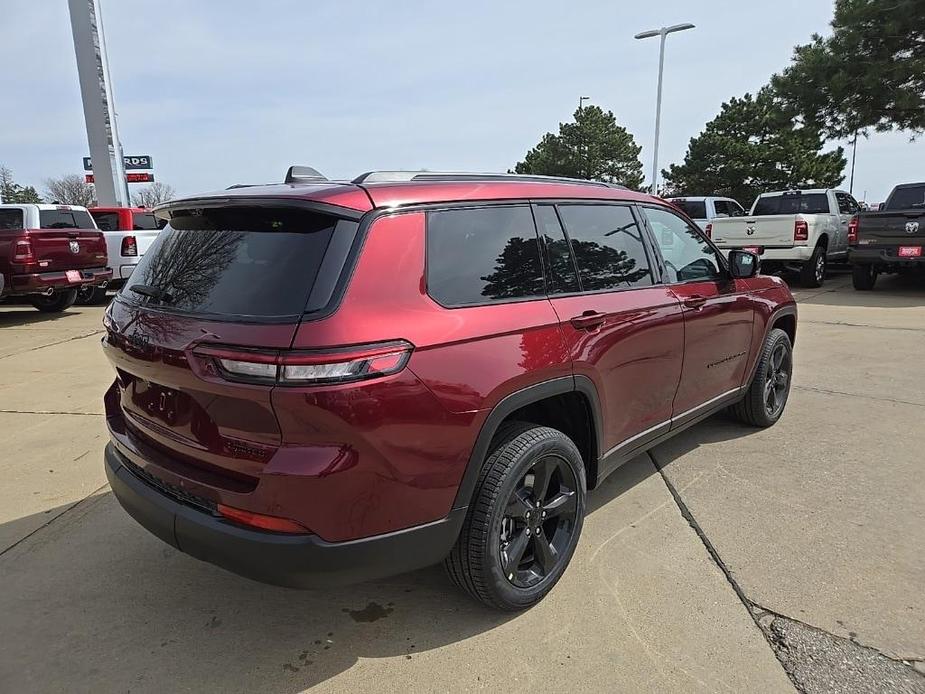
581	144
662	34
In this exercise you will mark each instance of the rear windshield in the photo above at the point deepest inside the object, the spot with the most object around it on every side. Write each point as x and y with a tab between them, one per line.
107	221
695	209
235	261
65	219
907	198
10	219
796	203
144	221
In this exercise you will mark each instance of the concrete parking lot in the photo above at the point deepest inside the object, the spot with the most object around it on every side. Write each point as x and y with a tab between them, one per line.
729	559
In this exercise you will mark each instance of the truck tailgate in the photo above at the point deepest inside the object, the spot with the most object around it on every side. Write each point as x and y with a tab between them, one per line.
767	230
899	228
67	249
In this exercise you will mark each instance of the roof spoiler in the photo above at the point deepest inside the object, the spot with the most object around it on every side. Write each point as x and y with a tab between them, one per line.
304	174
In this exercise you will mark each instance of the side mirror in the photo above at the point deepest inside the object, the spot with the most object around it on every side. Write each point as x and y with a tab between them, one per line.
743	264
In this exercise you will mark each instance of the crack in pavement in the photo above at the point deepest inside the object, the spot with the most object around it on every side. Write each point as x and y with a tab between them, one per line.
827	391
88	498
759	614
861	325
79	414
52	344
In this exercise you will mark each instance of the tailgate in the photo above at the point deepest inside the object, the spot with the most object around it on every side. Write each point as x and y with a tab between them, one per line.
67	249
144	239
900	228
766	230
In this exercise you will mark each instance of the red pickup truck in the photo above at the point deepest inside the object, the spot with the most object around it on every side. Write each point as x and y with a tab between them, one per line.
49	252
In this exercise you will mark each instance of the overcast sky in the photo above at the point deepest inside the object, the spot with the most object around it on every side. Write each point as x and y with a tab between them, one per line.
222	91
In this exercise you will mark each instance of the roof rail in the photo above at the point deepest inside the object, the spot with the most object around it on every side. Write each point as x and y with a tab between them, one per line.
448	176
303	174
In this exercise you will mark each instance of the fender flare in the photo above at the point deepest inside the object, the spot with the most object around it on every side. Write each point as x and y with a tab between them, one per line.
787	310
513	402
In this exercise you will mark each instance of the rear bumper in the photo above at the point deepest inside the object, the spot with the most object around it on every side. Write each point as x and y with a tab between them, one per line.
39	282
792	254
888	256
297	561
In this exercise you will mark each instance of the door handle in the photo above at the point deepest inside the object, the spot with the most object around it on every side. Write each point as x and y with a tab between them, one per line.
588	320
695	301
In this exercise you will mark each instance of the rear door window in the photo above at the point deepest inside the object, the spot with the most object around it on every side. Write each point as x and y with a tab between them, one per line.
247	262
11	219
608	246
483	255
106	221
563	278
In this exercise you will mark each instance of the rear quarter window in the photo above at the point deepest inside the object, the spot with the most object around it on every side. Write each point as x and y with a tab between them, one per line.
483	255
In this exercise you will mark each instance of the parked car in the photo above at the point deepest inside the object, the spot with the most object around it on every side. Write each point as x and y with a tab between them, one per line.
798	230
49	252
129	232
336	381
890	240
704	209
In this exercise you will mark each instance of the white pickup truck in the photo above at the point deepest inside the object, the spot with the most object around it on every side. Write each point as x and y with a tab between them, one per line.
800	230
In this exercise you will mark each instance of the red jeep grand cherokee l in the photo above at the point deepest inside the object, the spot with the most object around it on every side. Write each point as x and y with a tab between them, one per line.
321	382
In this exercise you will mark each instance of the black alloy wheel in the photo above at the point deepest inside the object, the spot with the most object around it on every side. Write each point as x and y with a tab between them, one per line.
539	521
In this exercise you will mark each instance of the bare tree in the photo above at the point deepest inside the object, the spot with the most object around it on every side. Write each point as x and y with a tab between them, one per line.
154	194
71	189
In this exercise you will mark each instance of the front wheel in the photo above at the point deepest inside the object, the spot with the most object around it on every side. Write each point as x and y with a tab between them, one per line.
524	519
57	302
863	277
812	273
767	395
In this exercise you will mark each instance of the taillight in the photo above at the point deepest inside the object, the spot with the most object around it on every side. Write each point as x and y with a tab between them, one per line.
22	252
260	521
129	246
853	225
708	230
309	368
800	230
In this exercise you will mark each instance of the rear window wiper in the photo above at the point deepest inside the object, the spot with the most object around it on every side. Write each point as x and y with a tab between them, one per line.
152	292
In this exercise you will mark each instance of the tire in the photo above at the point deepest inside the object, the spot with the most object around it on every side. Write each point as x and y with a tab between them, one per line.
91	296
863	277
753	408
502	518
57	302
812	273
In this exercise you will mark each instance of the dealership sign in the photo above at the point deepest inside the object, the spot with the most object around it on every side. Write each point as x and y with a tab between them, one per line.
142	161
130	178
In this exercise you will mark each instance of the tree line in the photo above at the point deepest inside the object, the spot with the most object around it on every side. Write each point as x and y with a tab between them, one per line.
868	75
73	189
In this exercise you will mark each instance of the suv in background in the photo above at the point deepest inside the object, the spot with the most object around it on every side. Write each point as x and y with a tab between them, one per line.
332	381
129	231
48	253
704	209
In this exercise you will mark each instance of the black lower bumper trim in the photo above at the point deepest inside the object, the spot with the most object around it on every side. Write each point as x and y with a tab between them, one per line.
297	561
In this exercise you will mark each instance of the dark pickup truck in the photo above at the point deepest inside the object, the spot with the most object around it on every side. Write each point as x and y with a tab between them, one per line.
890	240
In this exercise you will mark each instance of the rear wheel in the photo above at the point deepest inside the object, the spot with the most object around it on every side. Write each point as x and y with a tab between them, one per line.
91	296
57	302
767	395
863	277
812	273
524	520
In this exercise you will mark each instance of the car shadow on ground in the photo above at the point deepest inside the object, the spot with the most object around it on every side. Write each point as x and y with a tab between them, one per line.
93	585
19	315
891	291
